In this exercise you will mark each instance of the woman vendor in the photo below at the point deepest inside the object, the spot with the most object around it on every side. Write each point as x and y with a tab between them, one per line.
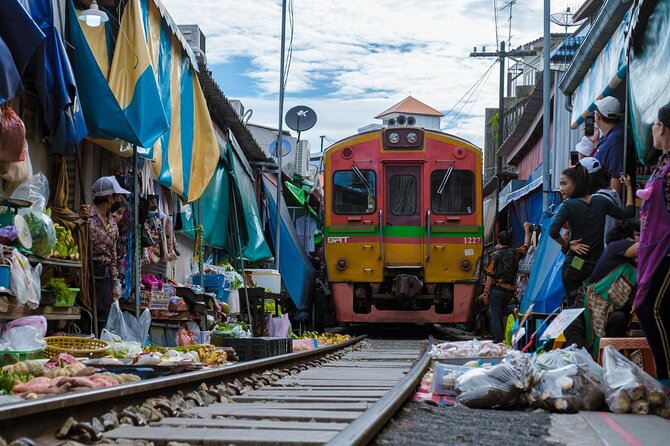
104	235
609	293
652	302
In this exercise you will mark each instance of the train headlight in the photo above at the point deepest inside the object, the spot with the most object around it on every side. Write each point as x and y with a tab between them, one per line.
465	265
342	264
412	137
394	138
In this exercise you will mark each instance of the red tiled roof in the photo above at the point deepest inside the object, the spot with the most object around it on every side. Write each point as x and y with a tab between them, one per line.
411	106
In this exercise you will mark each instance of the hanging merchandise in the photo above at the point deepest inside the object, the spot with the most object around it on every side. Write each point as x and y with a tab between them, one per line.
42	230
25	280
19	171
12	136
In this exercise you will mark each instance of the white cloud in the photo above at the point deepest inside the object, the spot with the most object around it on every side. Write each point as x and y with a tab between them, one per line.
372	52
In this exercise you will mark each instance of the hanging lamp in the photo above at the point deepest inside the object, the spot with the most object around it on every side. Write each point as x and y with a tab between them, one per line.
93	16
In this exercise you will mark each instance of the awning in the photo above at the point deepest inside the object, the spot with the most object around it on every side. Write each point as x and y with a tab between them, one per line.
120	94
152	70
604	75
295	267
254	246
519	193
649	68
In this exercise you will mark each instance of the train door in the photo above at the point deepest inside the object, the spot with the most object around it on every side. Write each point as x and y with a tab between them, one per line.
402	238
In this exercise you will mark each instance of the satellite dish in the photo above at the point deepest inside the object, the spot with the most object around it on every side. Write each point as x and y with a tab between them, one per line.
285	146
300	118
564	18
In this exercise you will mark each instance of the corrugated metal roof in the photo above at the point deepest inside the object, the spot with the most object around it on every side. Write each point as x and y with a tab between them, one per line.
412	106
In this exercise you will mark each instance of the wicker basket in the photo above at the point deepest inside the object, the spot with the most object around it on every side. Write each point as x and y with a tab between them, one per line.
75	346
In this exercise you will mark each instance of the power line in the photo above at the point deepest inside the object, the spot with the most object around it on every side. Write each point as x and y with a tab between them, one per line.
472	91
472	103
466	94
289	55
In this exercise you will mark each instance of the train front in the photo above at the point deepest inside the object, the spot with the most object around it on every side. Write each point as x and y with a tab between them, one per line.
403	226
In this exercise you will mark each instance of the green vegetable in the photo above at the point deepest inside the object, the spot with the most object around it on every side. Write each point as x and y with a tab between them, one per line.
42	231
60	289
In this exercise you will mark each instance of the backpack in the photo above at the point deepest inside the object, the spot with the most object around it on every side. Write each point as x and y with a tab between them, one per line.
506	265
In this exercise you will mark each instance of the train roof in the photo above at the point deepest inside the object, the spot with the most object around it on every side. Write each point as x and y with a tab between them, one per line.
458	138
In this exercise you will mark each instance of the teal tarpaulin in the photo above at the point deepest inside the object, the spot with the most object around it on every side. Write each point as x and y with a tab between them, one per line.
254	246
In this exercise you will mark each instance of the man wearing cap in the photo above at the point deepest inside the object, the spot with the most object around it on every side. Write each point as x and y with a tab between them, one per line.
609	141
103	234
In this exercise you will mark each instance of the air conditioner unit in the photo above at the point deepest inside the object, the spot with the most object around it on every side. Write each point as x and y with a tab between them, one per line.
302	154
195	38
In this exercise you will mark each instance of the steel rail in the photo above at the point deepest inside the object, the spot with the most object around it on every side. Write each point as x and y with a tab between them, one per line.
26	418
363	430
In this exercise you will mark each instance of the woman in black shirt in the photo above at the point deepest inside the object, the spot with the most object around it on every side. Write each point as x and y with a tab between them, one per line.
585	215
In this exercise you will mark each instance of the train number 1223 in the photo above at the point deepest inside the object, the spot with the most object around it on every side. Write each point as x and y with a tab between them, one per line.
472	240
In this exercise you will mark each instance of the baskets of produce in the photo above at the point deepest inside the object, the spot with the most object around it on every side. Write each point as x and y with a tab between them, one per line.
8	357
64	296
75	346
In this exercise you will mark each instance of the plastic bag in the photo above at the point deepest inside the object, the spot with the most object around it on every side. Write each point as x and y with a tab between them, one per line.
562	357
278	327
19	171
467	349
35	190
566	389
25	280
232	331
126	326
630	389
39	322
42	231
499	386
12	135
120	348
24	338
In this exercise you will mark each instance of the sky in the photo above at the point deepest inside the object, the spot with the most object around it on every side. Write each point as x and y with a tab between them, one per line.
352	59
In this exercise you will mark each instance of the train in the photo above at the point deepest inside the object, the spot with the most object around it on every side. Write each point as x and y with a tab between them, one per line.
403	232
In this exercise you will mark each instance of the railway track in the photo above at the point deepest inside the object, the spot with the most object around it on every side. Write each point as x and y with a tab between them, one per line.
340	395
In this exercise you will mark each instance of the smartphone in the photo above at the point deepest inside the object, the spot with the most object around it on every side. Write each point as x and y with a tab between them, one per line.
589	124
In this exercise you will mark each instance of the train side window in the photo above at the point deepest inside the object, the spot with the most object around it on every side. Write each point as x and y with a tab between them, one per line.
354	191
456	195
403	188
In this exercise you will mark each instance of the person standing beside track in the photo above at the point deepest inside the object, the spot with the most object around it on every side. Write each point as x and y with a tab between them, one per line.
585	215
500	285
652	302
609	141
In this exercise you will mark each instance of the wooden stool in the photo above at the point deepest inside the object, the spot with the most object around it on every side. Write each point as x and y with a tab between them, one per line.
641	344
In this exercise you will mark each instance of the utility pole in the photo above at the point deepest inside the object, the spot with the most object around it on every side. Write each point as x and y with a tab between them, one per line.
280	147
501	55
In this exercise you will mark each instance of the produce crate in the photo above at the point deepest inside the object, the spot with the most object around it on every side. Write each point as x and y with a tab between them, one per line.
444	378
209	280
248	349
70	301
8	357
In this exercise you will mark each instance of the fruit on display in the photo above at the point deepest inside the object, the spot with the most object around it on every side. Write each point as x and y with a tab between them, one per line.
66	247
210	355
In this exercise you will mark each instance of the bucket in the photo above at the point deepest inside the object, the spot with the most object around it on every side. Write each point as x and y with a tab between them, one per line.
4	276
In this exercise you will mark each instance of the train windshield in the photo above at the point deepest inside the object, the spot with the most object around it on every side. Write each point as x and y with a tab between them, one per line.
456	195
354	191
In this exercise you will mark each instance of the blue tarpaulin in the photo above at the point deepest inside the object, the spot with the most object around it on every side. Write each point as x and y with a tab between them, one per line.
55	84
545	288
295	267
